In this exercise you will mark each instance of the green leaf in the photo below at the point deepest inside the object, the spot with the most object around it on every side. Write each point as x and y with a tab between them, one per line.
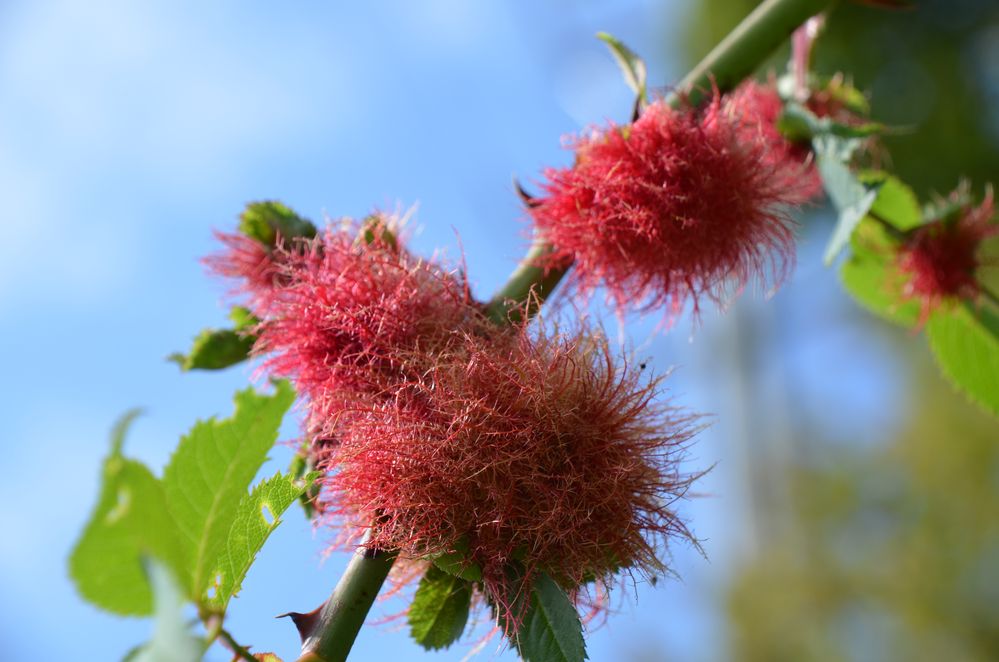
243	318
457	564
869	274
210	471
374	230
264	220
895	202
843	92
215	349
257	515
868	280
798	124
439	611
301	467
965	342
631	65
551	631
849	195
130	521
172	640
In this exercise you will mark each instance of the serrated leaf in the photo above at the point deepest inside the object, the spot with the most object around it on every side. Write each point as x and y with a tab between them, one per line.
551	631
457	562
172	640
131	520
266	219
849	195
258	514
439	611
215	349
965	342
870	275
209	473
632	66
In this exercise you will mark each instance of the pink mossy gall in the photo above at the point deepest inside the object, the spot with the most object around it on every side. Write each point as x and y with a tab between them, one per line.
938	260
676	206
524	452
348	312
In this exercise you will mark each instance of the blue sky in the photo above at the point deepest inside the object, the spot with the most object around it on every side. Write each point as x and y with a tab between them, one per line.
129	130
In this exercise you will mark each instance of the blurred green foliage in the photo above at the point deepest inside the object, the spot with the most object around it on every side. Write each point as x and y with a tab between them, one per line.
891	554
933	70
888	552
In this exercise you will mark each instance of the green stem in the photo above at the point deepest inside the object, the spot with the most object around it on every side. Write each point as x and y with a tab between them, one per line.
236	649
749	44
528	284
737	56
341	617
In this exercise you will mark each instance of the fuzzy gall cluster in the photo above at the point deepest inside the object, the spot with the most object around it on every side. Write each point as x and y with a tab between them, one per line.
339	310
522	448
443	432
938	260
678	205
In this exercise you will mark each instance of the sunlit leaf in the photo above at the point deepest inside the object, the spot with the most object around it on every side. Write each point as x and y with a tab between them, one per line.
267	219
965	341
895	203
215	349
256	518
209	474
870	275
130	521
242	318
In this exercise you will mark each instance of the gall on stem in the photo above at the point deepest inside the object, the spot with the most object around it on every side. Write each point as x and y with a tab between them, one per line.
337	310
677	207
526	450
938	261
